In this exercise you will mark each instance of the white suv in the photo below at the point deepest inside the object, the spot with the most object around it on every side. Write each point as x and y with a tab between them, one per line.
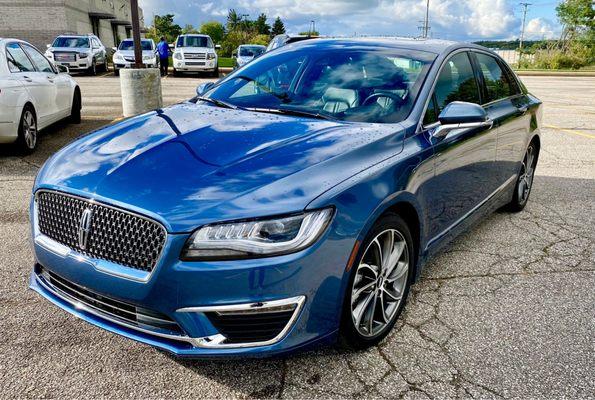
79	53
195	53
124	54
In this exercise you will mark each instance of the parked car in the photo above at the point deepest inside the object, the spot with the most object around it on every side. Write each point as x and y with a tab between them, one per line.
246	53
283	39
83	53
124	55
195	53
34	93
292	203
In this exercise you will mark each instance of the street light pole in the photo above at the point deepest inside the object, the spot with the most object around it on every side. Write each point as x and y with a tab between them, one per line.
427	20
138	51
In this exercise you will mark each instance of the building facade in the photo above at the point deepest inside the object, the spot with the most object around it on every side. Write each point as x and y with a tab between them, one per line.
40	21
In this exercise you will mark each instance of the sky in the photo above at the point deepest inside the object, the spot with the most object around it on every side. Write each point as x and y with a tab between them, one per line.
468	20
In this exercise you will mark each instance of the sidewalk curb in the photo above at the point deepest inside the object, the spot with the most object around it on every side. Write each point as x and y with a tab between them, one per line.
556	73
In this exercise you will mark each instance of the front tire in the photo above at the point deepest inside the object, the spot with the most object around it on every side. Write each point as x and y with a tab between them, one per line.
215	73
524	183
75	111
116	72
93	68
27	135
378	285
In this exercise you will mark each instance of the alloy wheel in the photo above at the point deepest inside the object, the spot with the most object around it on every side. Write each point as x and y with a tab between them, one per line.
380	282
29	129
526	175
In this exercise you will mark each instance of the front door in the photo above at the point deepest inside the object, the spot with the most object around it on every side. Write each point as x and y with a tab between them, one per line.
464	159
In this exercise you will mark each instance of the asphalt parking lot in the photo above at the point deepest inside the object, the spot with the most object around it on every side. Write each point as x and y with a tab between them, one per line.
508	311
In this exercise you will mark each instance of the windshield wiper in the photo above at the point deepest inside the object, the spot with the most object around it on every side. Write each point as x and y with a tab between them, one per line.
219	103
297	113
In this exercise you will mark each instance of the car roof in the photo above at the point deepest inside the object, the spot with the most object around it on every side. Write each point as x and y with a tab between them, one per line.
436	46
251	45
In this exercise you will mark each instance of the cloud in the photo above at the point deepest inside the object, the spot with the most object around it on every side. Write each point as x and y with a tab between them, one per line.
541	28
449	19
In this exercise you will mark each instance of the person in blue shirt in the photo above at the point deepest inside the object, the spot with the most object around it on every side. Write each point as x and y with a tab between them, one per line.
163	50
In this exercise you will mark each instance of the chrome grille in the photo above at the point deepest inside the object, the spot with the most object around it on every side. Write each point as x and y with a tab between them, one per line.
58	56
196	56
114	235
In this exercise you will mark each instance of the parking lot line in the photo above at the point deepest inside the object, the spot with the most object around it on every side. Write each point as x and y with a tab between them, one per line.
572	131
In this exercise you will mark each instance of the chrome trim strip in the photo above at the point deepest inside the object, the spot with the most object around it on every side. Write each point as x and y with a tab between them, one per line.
468	213
130	273
217	341
81	306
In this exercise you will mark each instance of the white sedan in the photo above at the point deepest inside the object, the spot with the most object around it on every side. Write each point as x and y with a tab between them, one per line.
34	93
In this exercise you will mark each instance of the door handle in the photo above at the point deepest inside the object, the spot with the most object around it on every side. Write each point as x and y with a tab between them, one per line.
523	109
49	78
27	79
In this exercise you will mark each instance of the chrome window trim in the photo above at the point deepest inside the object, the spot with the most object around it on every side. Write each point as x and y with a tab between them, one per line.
217	341
56	247
421	127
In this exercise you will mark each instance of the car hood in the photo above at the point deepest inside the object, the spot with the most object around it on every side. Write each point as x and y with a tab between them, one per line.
192	164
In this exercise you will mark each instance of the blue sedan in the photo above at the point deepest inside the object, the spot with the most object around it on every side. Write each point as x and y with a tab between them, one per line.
291	204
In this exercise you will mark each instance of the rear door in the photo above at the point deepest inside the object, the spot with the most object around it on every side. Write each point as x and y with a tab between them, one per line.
57	87
507	106
464	159
37	85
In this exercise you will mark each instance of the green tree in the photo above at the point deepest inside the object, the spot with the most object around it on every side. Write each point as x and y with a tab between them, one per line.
233	20
260	39
188	29
215	30
278	27
163	25
577	16
312	33
261	26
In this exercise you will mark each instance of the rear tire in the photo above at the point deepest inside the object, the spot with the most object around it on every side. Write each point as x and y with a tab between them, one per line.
75	111
27	134
116	72
524	183
176	73
379	284
215	73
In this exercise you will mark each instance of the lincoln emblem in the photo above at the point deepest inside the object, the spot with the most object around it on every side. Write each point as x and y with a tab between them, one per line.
85	227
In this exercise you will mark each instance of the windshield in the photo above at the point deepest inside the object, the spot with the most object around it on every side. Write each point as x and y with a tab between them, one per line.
194	41
129	45
71	42
369	84
251	51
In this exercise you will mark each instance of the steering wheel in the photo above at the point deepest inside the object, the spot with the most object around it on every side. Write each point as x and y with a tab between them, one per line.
374	96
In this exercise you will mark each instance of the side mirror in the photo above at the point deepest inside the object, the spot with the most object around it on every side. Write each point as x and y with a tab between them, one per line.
203	88
62	69
461	115
48	46
217	46
114	49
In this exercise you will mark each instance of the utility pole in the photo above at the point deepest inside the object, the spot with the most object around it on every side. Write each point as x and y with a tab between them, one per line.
525	6
427	20
138	51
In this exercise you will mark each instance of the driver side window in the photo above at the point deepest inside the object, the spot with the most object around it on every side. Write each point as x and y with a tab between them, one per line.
456	82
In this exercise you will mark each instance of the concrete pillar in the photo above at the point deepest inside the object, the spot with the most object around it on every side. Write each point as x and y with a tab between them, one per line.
141	90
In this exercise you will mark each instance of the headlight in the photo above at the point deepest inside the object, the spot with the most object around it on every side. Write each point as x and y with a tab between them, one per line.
118	56
211	56
49	54
147	58
83	55
178	56
257	238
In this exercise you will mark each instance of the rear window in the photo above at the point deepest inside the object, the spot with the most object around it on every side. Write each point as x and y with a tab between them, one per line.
129	45
71	42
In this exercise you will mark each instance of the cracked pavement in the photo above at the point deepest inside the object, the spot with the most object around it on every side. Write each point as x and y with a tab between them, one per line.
508	311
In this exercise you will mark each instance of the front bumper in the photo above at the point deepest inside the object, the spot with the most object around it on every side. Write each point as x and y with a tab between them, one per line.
195	65
126	64
186	291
